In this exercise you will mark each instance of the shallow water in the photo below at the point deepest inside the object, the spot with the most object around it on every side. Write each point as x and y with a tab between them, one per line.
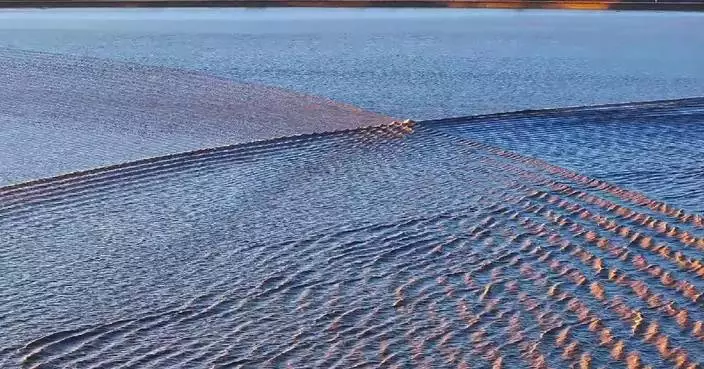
401	246
417	64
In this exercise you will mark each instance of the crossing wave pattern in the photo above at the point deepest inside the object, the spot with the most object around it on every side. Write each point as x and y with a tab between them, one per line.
404	245
655	148
113	112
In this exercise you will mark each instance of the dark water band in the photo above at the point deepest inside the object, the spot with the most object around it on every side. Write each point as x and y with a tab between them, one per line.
510	4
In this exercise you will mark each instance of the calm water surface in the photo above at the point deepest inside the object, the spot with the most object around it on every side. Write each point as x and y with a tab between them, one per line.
408	63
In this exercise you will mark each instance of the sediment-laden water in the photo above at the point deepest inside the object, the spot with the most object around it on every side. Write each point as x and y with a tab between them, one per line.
409	245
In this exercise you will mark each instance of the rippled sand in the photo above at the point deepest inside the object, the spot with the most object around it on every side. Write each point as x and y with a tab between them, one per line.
407	245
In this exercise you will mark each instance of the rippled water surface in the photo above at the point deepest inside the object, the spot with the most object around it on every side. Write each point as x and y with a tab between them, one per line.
61	113
407	245
409	63
543	239
654	148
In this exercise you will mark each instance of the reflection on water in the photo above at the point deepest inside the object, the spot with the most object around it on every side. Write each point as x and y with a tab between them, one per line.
408	63
400	246
79	113
653	148
502	241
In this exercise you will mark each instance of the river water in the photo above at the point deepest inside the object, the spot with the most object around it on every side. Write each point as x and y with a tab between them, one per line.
550	239
419	64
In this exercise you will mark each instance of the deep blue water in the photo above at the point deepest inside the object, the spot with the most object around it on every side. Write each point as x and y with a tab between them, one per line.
406	63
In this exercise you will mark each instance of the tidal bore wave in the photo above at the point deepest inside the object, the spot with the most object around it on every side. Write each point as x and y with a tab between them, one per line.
62	113
406	245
